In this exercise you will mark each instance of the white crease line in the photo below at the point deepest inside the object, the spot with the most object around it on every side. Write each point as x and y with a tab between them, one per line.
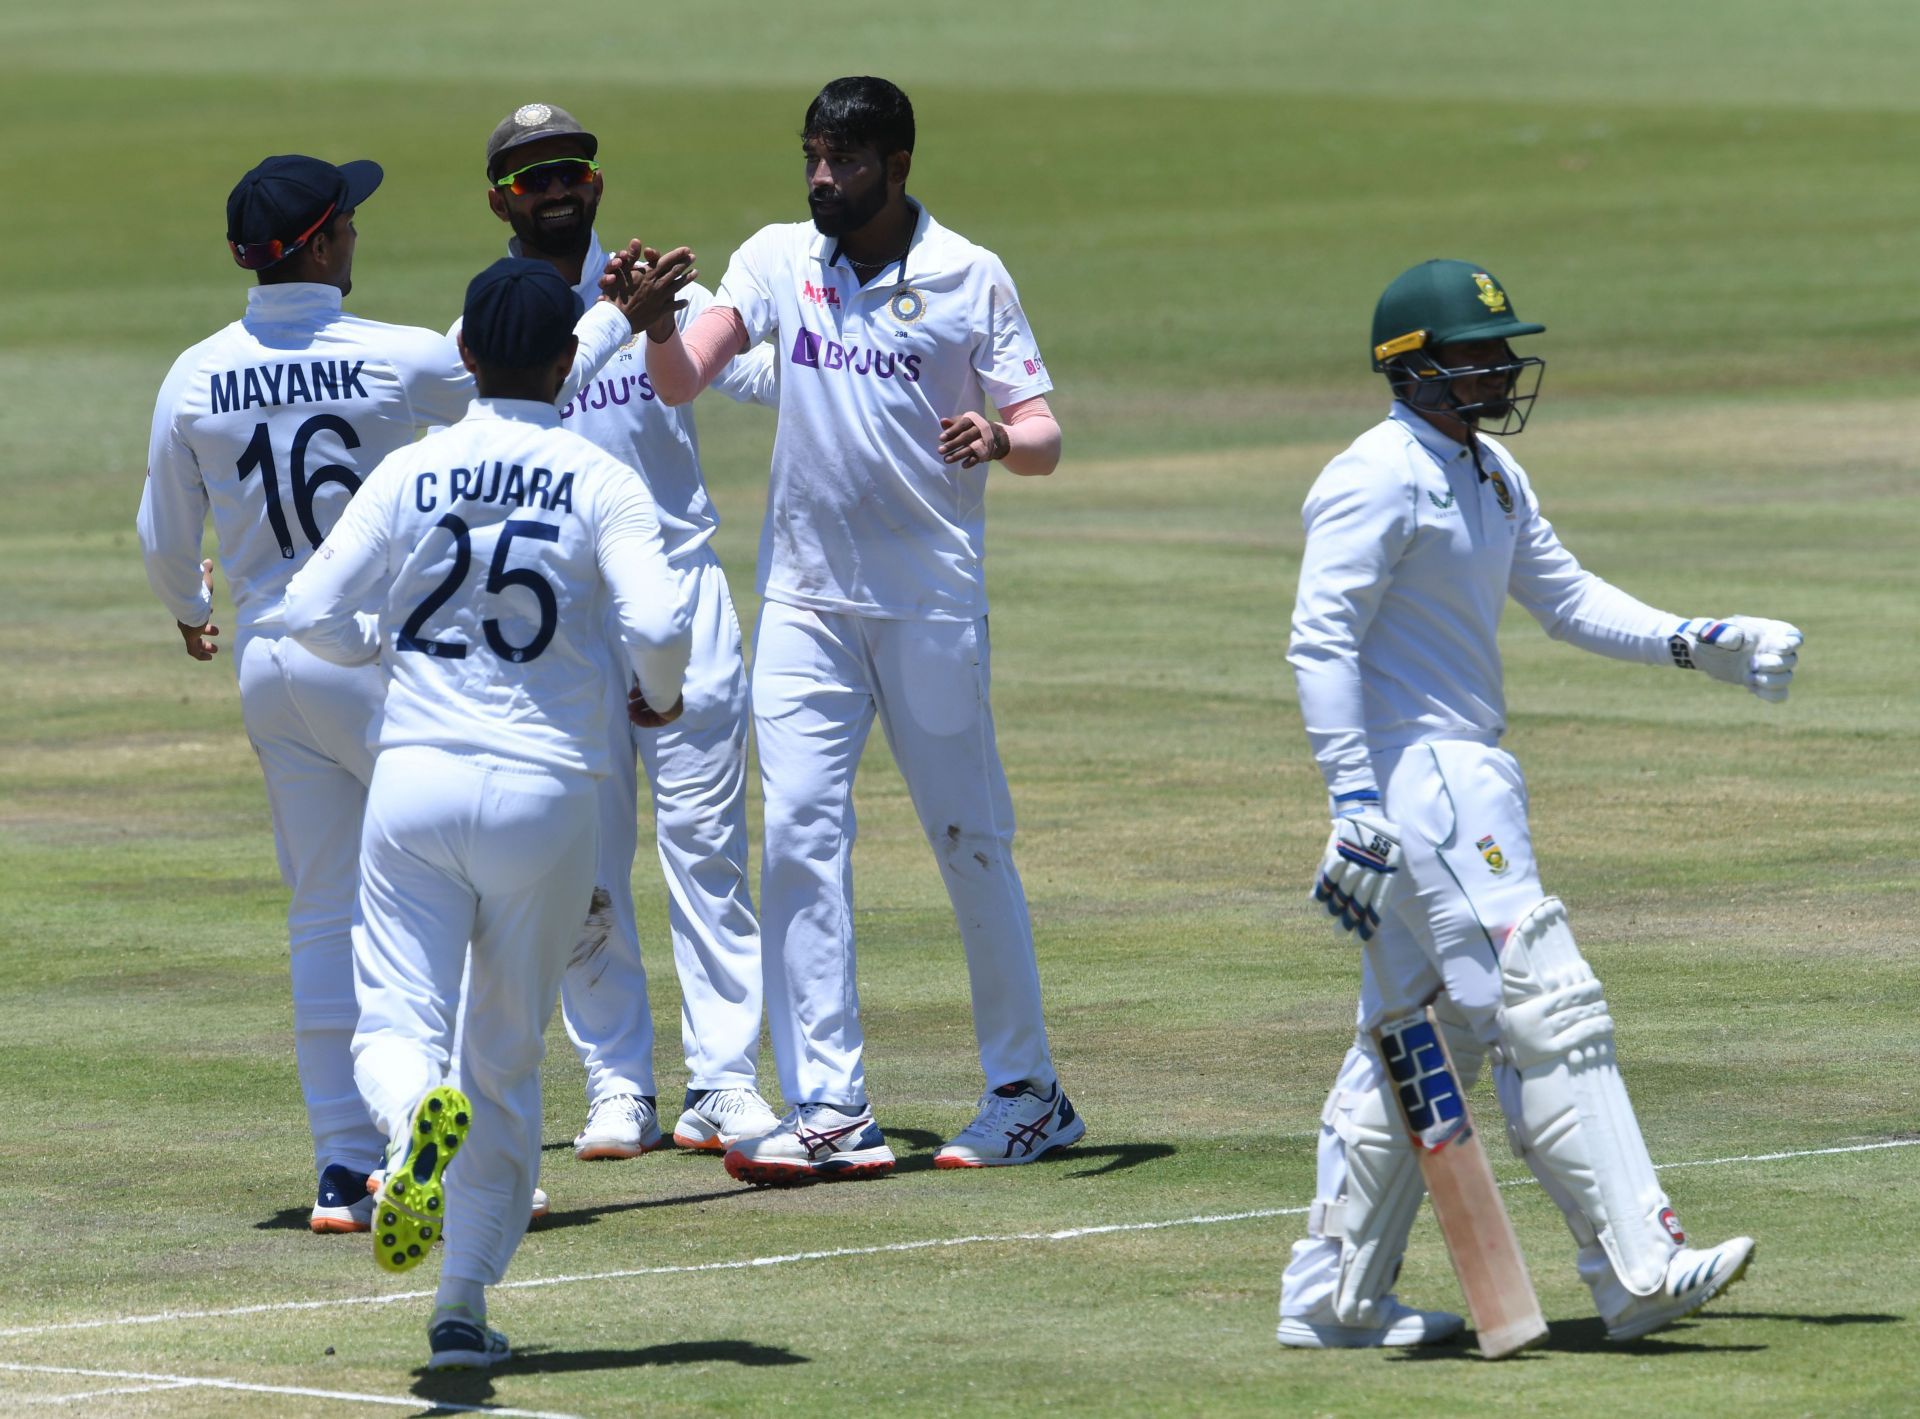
836	1253
197	1382
87	1394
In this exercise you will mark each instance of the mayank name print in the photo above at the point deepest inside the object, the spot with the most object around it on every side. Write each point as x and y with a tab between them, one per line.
304	382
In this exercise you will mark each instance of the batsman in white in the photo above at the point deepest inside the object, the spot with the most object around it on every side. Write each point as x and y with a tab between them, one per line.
545	183
1416	536
891	333
495	548
271	424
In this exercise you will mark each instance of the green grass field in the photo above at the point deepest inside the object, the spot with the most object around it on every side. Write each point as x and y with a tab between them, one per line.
1711	206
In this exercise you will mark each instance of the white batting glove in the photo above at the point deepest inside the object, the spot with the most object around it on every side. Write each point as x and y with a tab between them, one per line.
1362	859
1741	650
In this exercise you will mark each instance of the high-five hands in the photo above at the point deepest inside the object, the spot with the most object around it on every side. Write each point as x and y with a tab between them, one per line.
646	286
1358	871
1741	650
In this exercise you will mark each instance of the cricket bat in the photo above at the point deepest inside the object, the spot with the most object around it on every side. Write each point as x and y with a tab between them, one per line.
1480	1240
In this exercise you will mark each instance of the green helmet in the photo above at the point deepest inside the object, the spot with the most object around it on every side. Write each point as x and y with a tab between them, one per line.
1441	303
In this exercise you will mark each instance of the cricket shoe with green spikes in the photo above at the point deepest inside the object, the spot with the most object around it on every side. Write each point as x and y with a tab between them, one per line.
411	1205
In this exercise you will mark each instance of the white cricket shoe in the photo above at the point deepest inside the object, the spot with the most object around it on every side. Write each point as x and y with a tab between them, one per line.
619	1126
1016	1124
1395	1324
1693	1279
815	1142
716	1119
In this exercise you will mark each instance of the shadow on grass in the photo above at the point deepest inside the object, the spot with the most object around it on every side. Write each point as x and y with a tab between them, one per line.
1589	1336
586	1216
916	1148
287	1219
476	1386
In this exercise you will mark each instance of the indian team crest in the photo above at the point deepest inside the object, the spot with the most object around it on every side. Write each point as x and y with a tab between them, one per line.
1490	850
907	305
1501	492
531	115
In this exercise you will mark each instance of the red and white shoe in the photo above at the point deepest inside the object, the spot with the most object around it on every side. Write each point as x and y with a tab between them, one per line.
814	1143
1016	1124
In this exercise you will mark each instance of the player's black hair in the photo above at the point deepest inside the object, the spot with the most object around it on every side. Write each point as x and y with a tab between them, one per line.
861	111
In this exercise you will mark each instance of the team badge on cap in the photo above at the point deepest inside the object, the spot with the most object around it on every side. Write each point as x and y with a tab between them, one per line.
907	305
532	115
1496	859
1491	296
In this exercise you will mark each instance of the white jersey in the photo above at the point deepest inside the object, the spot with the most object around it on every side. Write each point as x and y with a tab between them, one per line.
862	515
619	411
1411	554
495	546
274	421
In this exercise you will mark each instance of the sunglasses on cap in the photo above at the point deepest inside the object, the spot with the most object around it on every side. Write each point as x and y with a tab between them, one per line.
536	177
258	255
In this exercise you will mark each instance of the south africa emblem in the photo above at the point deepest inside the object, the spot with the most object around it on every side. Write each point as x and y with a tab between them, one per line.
1501	492
1496	859
907	305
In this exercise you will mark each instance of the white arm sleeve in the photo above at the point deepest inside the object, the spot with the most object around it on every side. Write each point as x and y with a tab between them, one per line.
602	332
1358	521
173	509
1573	605
320	609
655	624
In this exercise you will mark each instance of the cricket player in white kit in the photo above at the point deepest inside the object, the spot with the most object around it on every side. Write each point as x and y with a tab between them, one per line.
1416	536
271	424
545	183
891	334
497	547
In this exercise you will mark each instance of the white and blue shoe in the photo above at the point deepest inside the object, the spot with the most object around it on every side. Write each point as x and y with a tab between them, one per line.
1693	1278
1017	1123
344	1204
814	1143
460	1341
716	1119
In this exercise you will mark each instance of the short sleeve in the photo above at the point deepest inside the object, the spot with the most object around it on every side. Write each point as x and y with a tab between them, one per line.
748	285
1005	354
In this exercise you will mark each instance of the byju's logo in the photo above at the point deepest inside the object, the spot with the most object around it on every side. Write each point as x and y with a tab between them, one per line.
817	353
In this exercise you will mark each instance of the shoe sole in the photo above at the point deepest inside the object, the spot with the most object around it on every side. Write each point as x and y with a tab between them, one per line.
467	1360
746	1170
592	1152
412	1201
325	1224
1307	1335
1066	1138
718	1143
1655	1323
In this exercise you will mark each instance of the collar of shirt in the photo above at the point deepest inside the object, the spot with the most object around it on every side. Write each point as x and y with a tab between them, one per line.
1444	449
292	302
826	249
517	411
591	269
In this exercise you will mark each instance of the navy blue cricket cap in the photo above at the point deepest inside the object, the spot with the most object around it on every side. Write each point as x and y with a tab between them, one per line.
519	314
279	204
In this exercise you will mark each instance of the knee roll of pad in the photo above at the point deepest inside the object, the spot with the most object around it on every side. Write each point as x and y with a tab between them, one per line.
1567	1108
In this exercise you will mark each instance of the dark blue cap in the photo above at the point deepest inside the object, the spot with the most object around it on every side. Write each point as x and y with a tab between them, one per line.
519	313
288	195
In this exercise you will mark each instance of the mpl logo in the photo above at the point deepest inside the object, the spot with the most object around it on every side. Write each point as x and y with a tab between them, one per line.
818	353
1034	365
821	295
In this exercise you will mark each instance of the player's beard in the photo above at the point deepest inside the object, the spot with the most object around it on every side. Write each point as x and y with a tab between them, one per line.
838	216
566	239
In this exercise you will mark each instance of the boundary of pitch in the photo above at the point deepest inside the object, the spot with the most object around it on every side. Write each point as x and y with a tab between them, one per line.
835	1253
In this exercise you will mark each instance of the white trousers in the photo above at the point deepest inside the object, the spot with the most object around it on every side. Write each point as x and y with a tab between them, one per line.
1469	875
462	846
697	767
819	681
308	721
